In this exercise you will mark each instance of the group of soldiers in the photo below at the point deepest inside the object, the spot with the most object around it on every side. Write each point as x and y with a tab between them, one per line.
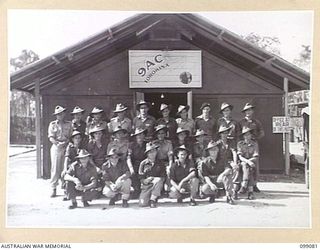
147	159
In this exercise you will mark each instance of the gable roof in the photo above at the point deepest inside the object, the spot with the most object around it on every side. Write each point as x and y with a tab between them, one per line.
191	28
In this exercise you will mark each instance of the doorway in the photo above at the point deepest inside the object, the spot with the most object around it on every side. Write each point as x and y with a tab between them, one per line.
175	99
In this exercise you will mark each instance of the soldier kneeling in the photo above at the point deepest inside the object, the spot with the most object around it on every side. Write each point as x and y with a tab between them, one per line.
183	177
81	180
116	174
152	173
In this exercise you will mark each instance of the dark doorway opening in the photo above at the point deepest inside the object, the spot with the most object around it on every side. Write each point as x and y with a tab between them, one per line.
175	99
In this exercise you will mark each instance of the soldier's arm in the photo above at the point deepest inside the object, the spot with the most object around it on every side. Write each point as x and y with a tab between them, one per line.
92	184
191	175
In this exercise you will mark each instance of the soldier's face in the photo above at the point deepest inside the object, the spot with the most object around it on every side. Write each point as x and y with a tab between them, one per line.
76	139
213	152
224	135
247	136
161	134
152	154
120	134
77	116
183	114
97	135
140	137
114	159
182	155
249	112
97	117
121	114
226	112
206	110
84	161
144	109
61	116
182	136
165	112
200	138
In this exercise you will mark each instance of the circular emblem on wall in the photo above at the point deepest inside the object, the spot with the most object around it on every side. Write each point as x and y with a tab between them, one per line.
185	77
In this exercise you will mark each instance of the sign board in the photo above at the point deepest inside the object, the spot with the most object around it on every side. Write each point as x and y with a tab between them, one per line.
280	124
298	97
165	69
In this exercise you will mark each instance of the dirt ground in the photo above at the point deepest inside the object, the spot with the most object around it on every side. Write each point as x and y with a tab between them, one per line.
283	202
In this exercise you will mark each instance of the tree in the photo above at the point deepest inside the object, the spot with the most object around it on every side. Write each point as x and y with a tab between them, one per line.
304	58
26	57
22	104
268	43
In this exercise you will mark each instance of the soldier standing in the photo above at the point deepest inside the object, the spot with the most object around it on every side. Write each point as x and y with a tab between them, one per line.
168	121
59	132
206	123
144	120
257	133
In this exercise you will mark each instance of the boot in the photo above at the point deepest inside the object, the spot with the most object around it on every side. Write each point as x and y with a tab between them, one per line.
250	196
193	202
54	193
230	200
153	204
73	205
256	189
212	199
242	190
235	196
125	203
180	200
85	204
112	201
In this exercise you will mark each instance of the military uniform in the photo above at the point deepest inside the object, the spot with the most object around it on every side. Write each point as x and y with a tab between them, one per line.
179	172
210	168
234	131
112	173
151	169
98	153
199	152
86	176
92	124
165	150
116	123
136	152
248	150
81	127
255	125
146	123
121	146
186	124
171	126
208	126
61	132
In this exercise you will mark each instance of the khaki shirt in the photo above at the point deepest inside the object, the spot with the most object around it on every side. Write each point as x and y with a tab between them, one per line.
115	123
248	150
121	146
60	131
254	124
147	123
165	150
186	124
208	126
85	175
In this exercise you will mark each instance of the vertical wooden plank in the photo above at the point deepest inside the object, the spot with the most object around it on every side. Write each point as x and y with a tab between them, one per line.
189	102
138	97
38	128
286	135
